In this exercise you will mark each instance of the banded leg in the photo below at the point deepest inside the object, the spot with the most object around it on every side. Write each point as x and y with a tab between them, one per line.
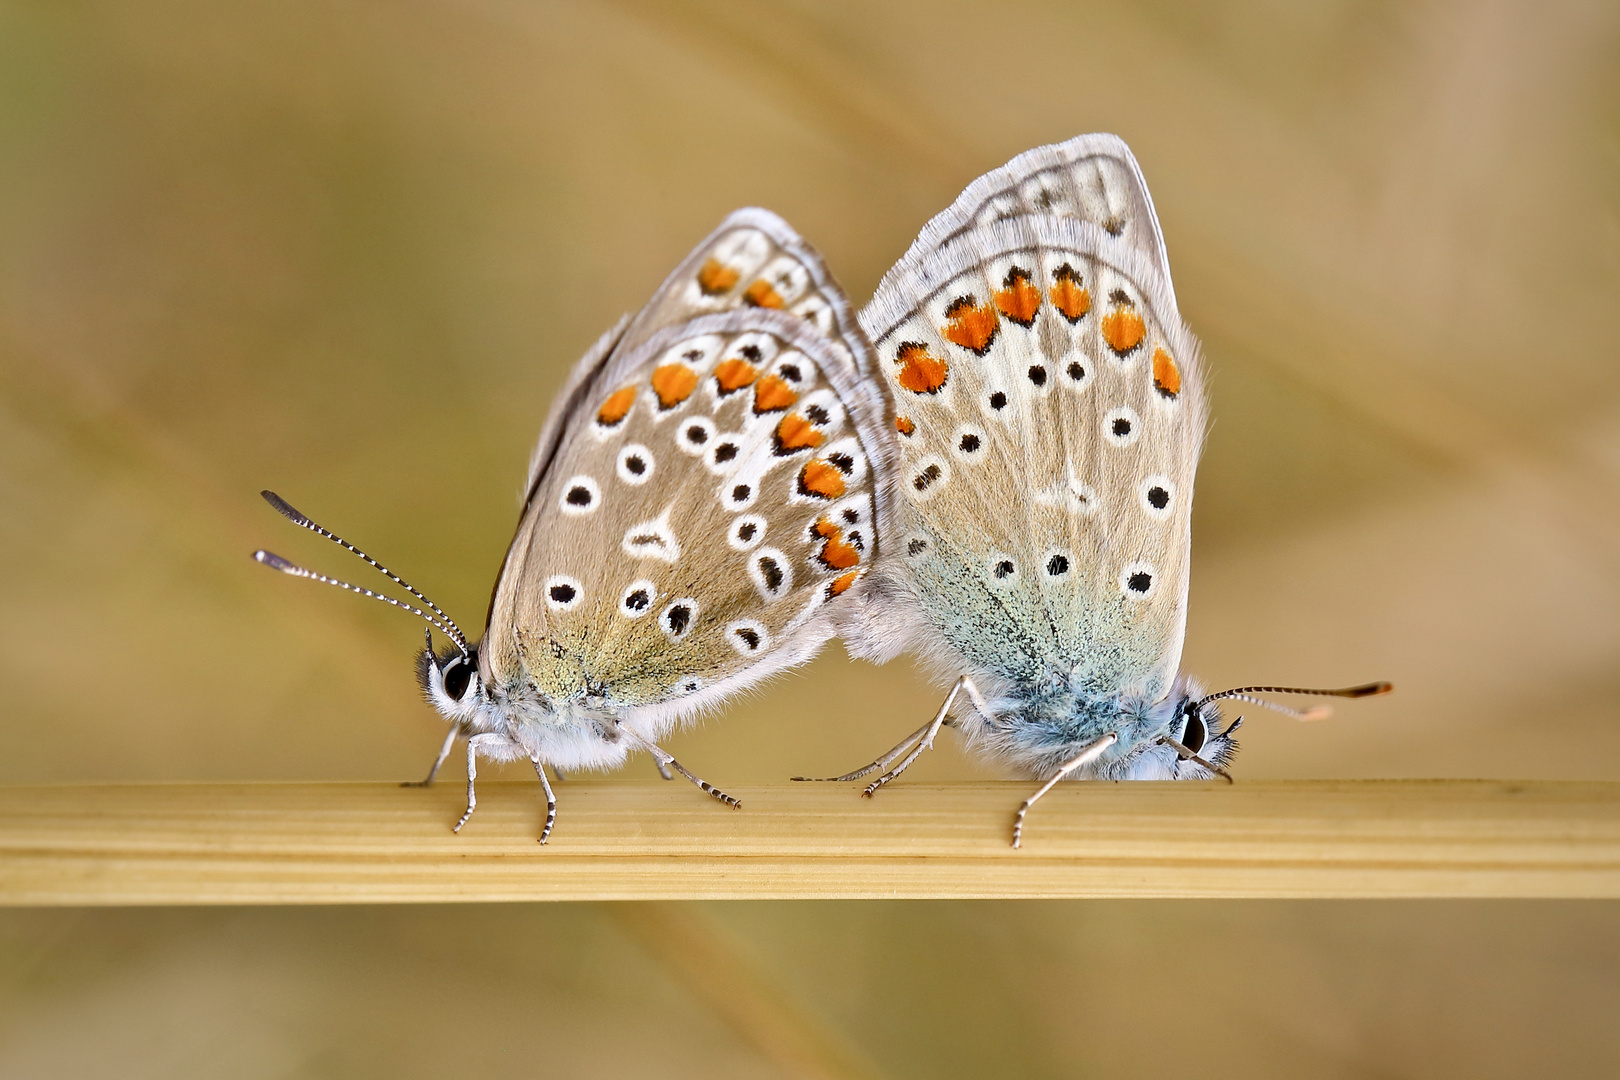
1090	753
1187	755
444	752
666	760
919	740
473	744
551	800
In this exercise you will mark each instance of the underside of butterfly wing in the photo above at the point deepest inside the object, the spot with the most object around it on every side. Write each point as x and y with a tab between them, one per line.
1049	409
711	495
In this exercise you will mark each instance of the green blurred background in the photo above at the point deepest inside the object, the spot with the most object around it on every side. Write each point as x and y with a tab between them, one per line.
349	249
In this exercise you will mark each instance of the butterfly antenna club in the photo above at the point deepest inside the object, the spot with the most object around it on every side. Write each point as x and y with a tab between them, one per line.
444	622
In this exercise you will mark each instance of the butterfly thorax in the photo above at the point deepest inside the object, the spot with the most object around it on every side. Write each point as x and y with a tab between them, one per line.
1040	725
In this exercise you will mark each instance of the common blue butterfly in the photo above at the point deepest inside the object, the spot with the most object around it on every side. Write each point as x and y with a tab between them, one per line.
703	495
1049	407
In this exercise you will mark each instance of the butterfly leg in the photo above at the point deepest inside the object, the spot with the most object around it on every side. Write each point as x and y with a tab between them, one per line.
666	760
444	752
1091	751
881	763
551	800
473	745
927	740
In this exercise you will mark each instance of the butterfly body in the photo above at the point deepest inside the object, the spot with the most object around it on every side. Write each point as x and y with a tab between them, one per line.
704	493
1049	410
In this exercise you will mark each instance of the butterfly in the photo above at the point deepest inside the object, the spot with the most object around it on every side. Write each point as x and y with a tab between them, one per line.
1049	407
703	495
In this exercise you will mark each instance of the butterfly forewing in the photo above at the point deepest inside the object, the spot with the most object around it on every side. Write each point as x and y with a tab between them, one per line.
1049	415
713	490
1091	178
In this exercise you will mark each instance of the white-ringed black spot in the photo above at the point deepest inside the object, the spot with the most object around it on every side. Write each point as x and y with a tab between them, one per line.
580	495
748	636
637	599
740	493
816	414
1057	564
751	353
1121	426
1004	569
1157	497
695	434
746	532
968	444
635	465
927	476
998	401
772	573
1138	580
851	515
676	620
916	546
1077	370
652	539
563	593
842	462
791	373
1037	374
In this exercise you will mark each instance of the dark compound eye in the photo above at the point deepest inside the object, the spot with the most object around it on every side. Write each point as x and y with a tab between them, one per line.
457	676
1195	734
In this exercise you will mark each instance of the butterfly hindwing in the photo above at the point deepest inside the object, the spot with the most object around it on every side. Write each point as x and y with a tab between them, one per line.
1049	412
711	493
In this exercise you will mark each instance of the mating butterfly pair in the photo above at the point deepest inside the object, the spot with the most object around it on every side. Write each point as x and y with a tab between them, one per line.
992	468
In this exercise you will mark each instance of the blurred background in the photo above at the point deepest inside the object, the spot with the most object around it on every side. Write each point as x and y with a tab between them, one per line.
349	249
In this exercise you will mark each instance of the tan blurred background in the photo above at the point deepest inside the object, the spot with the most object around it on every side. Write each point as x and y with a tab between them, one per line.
348	250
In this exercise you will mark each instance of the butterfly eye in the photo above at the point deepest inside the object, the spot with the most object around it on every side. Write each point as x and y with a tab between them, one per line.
1195	733
457	676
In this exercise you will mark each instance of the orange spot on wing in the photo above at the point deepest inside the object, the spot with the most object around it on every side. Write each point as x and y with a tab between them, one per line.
673	383
836	553
903	425
1122	328
773	393
920	372
760	294
971	326
822	479
1018	300
714	278
841	584
617	406
1070	297
734	374
796	433
1166	375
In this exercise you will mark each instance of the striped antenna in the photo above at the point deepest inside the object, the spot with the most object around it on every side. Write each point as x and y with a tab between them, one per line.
1321	712
445	623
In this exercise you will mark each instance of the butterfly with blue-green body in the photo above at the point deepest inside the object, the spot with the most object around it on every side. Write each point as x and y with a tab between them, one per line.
1049	409
705	493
